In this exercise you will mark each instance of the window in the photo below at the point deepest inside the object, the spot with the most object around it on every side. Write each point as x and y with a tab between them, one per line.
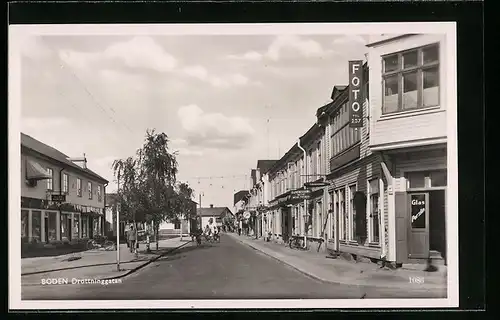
411	79
318	161
85	226
340	208
352	213
24	224
374	211
426	179
177	225
99	193
36	225
310	167
65	183
79	187
319	215
50	182
343	136
89	187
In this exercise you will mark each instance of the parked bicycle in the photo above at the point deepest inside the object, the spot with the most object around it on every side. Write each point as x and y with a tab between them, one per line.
296	242
100	242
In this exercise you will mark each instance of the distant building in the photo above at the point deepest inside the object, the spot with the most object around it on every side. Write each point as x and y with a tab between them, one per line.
45	172
215	213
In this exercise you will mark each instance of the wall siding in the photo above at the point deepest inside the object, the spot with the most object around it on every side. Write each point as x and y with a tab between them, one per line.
40	191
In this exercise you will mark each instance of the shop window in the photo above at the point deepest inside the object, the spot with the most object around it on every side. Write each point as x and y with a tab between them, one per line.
52	225
24	224
416	179
438	178
374	196
50	182
64	226
342	214
76	226
411	79
418	211
85	226
352	213
36	225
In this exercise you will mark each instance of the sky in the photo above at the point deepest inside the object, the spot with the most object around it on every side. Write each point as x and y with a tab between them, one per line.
225	101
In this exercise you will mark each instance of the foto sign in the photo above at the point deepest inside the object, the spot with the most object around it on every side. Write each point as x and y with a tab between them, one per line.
355	94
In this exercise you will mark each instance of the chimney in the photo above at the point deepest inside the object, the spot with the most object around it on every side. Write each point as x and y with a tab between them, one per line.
211	206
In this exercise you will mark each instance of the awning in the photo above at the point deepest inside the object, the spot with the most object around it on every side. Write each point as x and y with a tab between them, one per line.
34	171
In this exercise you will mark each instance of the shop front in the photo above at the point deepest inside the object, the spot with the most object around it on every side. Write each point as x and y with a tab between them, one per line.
46	221
420	204
356	203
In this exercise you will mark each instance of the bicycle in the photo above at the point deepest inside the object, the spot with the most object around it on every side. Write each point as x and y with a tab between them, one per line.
296	242
100	242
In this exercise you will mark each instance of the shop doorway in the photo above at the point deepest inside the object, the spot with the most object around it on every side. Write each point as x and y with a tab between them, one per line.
68	227
285	213
427	236
437	224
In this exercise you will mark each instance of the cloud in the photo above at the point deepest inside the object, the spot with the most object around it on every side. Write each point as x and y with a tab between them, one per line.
139	52
286	46
214	130
201	73
250	56
350	40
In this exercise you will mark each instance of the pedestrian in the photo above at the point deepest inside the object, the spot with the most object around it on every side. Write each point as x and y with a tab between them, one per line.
240	226
132	238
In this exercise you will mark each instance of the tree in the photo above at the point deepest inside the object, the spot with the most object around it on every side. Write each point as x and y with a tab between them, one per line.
147	191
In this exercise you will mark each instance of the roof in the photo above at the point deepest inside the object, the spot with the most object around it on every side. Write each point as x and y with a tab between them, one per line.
265	165
50	152
212	212
240	195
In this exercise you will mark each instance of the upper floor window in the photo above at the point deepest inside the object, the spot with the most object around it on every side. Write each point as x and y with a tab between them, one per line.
79	187
411	79
99	193
50	182
318	161
89	187
343	136
65	183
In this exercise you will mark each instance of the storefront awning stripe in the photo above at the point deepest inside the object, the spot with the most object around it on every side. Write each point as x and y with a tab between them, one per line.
35	171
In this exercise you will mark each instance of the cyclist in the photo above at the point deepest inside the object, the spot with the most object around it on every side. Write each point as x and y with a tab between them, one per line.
210	228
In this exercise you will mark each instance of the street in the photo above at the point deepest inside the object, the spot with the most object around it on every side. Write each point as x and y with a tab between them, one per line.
225	270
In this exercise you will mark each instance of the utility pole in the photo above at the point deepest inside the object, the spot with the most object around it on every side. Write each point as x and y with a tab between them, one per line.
118	231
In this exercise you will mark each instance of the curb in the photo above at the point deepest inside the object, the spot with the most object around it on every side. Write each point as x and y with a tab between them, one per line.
146	263
310	275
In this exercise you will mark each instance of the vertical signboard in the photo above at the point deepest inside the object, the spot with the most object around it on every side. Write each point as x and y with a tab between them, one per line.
355	94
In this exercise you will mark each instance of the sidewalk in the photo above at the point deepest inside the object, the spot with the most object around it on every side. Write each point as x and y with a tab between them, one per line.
316	265
93	264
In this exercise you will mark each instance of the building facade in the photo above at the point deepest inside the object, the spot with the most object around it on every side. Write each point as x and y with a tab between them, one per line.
408	104
45	172
294	208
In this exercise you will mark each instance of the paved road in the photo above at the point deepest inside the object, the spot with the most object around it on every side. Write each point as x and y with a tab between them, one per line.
227	270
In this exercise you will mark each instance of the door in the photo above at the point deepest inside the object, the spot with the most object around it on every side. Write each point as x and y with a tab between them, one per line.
419	225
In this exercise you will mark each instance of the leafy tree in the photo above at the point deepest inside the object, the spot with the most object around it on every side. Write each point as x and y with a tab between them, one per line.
147	183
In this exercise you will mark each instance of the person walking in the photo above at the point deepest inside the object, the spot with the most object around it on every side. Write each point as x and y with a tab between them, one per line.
132	238
240	226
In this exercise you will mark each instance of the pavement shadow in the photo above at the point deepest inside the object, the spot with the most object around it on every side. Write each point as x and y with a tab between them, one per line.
51	252
182	252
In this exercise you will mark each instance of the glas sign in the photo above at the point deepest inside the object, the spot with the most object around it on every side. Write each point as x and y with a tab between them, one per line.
418	211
